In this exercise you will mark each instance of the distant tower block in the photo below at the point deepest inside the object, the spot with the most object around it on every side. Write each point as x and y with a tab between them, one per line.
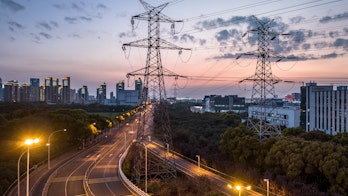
263	83
153	85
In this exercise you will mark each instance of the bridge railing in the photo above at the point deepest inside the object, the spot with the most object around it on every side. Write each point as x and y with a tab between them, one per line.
125	180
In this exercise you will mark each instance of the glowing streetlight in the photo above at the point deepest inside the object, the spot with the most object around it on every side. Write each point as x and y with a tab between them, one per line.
131	125
49	148
29	142
239	188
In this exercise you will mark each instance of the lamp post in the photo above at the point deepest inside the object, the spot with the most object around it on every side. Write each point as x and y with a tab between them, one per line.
49	148
29	142
199	161
125	140
18	174
131	125
267	181
238	189
167	146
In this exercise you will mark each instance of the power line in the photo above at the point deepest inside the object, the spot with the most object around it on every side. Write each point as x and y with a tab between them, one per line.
223	24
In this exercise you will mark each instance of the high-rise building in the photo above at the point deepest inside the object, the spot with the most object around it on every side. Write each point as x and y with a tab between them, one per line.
11	91
324	109
129	97
34	89
82	95
24	93
101	93
65	93
73	96
1	91
51	90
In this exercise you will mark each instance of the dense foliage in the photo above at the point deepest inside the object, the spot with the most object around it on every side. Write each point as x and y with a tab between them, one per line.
298	163
21	121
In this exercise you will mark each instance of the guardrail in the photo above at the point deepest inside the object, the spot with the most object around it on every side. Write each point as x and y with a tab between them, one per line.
125	180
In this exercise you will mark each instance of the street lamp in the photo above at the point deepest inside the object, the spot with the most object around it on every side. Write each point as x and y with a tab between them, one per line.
267	181
29	142
125	139
167	146
131	125
18	174
49	148
199	161
239	188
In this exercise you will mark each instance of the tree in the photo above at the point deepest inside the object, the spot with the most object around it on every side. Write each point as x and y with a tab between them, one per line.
240	144
294	131
285	157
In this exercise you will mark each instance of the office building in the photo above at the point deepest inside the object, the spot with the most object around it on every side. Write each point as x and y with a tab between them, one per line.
228	103
82	95
24	93
288	116
51	90
65	91
101	93
324	109
1	91
129	97
34	89
11	91
73	96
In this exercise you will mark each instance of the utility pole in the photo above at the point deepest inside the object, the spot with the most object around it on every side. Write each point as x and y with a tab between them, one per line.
263	91
154	74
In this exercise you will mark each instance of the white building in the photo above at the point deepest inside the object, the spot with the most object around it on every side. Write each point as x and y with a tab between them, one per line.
288	116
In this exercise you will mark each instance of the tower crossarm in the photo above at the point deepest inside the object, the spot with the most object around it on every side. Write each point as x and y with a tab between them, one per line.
168	73
142	43
169	46
145	43
152	72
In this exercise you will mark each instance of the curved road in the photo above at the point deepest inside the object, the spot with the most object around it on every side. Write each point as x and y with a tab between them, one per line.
93	170
103	178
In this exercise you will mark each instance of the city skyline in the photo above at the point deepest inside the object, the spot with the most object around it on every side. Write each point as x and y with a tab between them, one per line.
83	39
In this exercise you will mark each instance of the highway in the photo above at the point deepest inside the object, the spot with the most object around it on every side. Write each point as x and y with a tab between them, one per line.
103	177
192	170
93	171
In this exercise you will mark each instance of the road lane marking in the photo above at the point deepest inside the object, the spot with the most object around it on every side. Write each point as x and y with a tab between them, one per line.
103	180
72	178
106	166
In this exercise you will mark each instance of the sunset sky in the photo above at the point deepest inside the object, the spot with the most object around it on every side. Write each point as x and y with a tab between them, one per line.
83	40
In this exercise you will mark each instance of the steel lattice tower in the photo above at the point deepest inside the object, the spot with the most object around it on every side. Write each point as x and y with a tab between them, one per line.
263	82
154	83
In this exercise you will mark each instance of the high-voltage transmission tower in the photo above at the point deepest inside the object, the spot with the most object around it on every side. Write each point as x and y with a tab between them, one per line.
263	92
153	83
